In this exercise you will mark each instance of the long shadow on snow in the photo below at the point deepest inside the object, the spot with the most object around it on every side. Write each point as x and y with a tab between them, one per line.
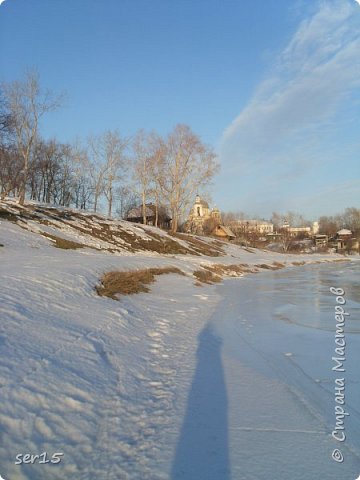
202	451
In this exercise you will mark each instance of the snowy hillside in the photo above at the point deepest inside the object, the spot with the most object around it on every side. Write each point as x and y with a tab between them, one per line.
121	387
73	229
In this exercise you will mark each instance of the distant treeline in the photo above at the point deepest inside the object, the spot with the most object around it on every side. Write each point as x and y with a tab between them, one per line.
120	172
328	225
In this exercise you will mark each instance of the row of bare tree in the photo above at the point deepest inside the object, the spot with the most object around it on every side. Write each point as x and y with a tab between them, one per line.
349	219
108	168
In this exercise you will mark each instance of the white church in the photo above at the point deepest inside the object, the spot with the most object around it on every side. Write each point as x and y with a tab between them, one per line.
202	216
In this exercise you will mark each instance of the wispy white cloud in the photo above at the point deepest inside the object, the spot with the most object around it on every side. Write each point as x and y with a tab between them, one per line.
316	72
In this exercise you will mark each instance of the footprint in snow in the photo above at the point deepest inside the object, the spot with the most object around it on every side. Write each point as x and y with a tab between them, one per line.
202	297
154	334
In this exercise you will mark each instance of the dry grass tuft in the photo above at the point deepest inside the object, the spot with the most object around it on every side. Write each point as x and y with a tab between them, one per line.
128	283
298	264
274	266
63	243
229	270
206	276
5	215
278	265
214	273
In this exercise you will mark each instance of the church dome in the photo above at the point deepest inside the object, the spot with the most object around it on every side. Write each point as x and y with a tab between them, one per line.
199	201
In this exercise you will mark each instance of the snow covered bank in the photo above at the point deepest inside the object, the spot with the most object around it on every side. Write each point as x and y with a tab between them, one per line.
85	375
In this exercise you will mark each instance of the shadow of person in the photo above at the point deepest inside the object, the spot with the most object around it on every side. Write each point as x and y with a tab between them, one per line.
202	451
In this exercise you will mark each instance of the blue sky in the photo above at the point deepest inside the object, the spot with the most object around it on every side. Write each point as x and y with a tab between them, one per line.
273	86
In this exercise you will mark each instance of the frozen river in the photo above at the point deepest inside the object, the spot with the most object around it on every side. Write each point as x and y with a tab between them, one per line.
262	402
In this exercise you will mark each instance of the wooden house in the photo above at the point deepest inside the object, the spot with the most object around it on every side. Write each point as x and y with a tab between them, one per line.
136	215
224	232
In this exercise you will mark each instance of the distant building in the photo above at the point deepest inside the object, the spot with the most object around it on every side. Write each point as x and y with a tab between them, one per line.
320	240
136	215
203	220
307	231
344	234
200	213
251	226
344	241
274	237
200	208
315	228
224	232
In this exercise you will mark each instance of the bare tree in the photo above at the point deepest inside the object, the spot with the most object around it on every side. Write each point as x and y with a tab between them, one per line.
59	174
82	184
209	225
127	199
158	175
44	170
109	164
65	184
188	165
286	239
232	218
351	219
27	104
148	170
97	169
114	147
295	219
329	225
10	164
10	170
277	220
6	122
142	167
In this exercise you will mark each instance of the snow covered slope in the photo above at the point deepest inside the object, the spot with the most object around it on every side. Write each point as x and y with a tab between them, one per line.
70	228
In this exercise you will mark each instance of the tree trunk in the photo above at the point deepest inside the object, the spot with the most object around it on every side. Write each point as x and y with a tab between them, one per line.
156	215
110	202
23	184
174	223
144	207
